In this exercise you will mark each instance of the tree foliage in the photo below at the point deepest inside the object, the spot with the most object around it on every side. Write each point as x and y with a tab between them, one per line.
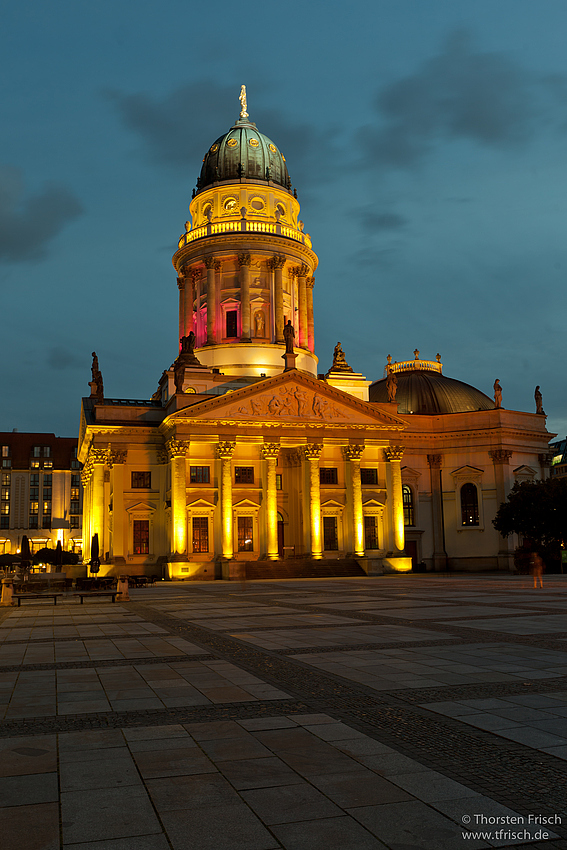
537	510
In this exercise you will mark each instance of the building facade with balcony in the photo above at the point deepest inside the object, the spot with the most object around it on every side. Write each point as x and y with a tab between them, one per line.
41	492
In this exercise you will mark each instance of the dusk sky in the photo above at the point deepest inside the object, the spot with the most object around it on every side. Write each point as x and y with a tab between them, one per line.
426	139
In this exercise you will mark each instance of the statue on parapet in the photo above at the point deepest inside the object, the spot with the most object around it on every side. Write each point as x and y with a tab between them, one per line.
289	336
392	386
339	360
539	401
96	383
497	394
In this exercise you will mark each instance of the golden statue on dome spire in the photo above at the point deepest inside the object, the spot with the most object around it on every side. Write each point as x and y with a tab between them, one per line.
242	99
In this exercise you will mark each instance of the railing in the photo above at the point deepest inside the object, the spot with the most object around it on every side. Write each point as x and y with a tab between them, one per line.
417	365
244	226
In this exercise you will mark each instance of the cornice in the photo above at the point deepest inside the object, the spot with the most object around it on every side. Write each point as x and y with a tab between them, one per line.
231	244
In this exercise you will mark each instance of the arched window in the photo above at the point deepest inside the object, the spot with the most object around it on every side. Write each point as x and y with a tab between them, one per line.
469	505
407	498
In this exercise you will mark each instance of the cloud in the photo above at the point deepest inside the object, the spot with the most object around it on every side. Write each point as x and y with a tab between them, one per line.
177	128
462	93
376	221
29	225
60	358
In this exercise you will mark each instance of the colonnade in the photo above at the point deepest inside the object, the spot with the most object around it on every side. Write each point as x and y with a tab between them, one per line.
191	289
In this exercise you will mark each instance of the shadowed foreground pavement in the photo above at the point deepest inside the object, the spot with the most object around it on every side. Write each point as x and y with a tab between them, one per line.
393	712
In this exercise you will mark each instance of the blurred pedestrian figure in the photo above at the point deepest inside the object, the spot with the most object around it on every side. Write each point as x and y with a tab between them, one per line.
537	568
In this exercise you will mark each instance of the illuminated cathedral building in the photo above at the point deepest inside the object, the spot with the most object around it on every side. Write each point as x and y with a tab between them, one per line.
247	461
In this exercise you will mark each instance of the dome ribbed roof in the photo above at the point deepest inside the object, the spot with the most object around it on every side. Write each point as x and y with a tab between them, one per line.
422	391
243	154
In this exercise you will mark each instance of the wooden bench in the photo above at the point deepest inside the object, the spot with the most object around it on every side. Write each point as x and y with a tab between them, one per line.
20	596
90	593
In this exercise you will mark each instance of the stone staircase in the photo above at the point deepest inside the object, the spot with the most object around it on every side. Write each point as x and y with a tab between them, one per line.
303	568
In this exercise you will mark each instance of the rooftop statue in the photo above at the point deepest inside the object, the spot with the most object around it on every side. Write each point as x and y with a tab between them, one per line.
339	360
243	104
539	401
392	387
289	336
497	394
96	383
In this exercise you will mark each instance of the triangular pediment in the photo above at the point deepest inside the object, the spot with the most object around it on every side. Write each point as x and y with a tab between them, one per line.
525	470
332	503
140	506
246	503
291	397
200	503
466	471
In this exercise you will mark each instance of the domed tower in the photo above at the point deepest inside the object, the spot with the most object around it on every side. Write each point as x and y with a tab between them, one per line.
245	267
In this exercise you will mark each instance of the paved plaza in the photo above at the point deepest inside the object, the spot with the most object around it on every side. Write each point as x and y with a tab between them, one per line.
401	712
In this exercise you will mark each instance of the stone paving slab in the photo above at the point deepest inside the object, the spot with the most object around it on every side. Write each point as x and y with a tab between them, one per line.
354	765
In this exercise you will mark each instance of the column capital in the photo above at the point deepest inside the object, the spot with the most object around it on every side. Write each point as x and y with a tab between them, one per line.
394	453
181	283
195	275
225	449
244	260
97	455
353	452
312	451
435	461
310	282
115	454
218	265
270	451
209	262
176	448
500	455
278	261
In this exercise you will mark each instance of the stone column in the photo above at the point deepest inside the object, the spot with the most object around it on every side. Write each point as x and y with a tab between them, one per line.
310	283
353	454
313	453
211	301
278	262
301	272
177	450
394	456
244	263
270	453
225	450
98	458
181	287
116	458
545	461
439	555
190	302
86	481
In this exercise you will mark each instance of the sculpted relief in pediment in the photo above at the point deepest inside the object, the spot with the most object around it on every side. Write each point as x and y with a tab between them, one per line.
290	402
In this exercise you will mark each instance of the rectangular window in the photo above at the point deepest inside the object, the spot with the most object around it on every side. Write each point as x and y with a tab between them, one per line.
5	508
74	508
46	492
231	323
75	464
200	475
6	479
75	520
34	480
407	497
46	521
5	451
4	522
32	522
48	464
141	480
37	451
35	464
369	477
328	475
370	532
47	451
75	481
74	492
47	507
34	507
200	534
245	539
141	537
278	481
6	463
330	538
244	475
47	479
34	492
5	494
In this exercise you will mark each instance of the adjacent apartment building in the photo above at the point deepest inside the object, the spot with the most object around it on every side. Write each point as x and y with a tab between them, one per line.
41	492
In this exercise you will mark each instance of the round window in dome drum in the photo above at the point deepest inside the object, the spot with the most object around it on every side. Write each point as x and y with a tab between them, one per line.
272	148
232	143
254	143
281	209
214	148
257	204
230	204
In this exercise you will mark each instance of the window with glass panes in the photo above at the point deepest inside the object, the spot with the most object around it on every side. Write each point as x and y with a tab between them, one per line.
141	480
141	536
469	505
368	476
244	475
245	535
407	499
328	475
200	534
200	475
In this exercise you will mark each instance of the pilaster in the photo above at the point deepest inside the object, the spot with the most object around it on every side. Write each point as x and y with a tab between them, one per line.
353	454
270	452
312	453
244	263
225	450
177	451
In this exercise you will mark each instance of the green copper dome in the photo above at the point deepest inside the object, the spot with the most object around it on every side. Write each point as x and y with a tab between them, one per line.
243	154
